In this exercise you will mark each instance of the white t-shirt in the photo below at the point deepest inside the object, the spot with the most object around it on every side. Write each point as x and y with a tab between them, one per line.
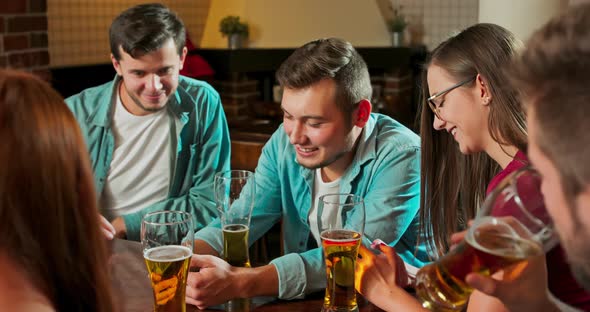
140	168
322	188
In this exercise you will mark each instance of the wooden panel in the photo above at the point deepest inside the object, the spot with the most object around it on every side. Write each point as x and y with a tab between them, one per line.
245	154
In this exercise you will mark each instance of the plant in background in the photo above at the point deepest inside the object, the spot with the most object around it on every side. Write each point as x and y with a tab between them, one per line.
398	23
231	25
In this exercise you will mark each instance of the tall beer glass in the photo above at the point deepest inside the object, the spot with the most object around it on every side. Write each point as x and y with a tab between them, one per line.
234	194
511	227
341	222
167	240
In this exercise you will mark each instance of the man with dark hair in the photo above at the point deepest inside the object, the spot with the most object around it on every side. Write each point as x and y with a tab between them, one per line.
329	142
554	76
156	139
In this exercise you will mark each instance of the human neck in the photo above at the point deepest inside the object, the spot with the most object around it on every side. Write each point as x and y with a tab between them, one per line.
129	103
17	291
337	169
502	154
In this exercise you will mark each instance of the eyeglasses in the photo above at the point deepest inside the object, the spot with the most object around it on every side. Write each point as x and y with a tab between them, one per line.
436	99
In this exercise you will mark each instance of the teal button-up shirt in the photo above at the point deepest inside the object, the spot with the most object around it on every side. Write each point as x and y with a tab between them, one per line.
385	173
201	149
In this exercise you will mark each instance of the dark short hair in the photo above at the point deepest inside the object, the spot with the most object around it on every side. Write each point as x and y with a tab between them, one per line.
145	28
553	75
330	58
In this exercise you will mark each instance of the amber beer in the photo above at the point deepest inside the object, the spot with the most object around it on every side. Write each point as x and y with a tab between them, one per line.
340	251
168	267
489	248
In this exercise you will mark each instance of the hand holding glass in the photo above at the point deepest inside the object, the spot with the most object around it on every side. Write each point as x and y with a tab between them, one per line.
167	240
341	222
511	227
234	194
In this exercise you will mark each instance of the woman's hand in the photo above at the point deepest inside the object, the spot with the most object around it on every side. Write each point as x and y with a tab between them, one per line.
380	279
376	271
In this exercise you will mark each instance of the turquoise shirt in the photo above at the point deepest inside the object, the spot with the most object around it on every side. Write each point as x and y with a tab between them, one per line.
385	172
201	150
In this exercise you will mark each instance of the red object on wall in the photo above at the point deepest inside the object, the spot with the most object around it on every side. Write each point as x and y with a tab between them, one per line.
195	66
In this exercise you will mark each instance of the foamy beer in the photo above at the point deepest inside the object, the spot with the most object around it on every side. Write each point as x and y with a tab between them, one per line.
167	241
511	227
341	222
234	195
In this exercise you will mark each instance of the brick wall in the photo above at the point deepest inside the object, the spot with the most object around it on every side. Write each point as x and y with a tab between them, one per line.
23	36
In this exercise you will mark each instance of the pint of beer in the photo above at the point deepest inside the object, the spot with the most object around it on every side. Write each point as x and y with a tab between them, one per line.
341	221
167	240
234	195
167	268
486	250
340	251
511	227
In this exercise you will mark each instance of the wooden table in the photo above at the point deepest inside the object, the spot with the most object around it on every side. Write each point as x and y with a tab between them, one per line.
133	291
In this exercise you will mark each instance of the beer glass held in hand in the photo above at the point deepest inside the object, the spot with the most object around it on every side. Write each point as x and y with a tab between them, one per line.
234	195
167	241
341	222
511	227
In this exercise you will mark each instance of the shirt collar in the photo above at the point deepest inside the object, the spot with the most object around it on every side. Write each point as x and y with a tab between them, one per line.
179	104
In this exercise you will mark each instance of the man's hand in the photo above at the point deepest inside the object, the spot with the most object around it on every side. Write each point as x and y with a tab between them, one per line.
523	286
214	284
107	228
120	228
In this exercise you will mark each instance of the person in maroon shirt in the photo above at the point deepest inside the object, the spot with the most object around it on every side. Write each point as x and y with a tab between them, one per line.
553	74
471	103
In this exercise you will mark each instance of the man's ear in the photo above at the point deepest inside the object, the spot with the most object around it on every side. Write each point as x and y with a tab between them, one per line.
116	65
483	90
362	113
183	57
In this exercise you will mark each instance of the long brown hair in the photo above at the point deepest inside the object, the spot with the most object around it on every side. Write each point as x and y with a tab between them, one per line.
453	185
49	220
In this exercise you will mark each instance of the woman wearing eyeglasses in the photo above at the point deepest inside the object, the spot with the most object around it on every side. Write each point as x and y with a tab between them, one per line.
473	133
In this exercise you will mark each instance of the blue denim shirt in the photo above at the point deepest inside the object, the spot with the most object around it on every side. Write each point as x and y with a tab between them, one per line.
202	148
385	173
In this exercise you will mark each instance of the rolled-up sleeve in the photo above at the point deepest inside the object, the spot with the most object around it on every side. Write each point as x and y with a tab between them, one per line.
300	274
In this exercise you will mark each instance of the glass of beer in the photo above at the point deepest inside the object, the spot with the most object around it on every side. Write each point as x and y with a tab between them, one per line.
167	240
511	227
234	194
341	222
